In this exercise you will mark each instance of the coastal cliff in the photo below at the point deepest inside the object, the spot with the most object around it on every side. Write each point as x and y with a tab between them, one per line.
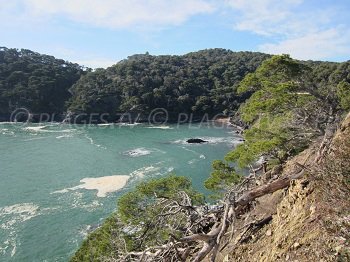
310	219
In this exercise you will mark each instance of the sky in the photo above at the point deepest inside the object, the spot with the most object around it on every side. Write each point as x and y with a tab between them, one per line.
99	33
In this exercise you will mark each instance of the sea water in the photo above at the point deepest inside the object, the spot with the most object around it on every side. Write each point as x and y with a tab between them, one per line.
57	182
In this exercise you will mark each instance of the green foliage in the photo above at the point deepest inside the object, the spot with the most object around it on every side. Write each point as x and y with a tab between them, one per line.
288	98
132	207
199	82
276	84
142	207
343	93
268	137
273	99
270	111
137	222
250	83
282	112
278	69
38	82
102	243
222	176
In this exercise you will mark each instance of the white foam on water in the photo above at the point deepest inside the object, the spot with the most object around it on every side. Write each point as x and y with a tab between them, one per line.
64	136
6	131
141	151
10	243
43	129
35	138
192	161
76	200
128	124
107	124
152	170
84	232
217	140
141	172
103	185
160	127
138	152
189	150
11	218
34	128
158	150
60	131
62	191
25	211
92	142
13	252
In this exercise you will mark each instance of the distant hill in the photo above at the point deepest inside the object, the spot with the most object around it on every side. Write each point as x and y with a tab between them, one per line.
38	82
199	82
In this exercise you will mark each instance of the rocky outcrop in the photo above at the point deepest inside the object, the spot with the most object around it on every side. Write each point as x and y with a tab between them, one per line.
196	141
311	220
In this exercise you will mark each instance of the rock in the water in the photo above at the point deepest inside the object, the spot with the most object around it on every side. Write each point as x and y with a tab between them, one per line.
196	141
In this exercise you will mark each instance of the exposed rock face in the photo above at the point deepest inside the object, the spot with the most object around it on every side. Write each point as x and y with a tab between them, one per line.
311	220
196	141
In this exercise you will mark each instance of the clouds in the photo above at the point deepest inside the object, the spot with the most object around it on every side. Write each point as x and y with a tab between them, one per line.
291	27
119	14
306	29
96	63
264	17
316	46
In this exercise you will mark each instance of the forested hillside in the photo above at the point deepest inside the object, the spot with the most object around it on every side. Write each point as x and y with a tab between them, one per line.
38	82
199	82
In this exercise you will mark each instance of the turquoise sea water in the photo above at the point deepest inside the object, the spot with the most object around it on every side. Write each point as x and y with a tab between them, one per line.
40	221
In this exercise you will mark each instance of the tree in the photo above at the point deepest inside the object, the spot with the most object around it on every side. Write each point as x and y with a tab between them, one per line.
157	208
222	177
38	82
285	112
199	82
343	93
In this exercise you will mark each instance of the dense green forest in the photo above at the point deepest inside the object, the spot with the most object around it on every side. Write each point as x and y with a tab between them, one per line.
38	82
290	105
199	82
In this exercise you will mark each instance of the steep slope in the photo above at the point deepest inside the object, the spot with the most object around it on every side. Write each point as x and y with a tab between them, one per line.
311	220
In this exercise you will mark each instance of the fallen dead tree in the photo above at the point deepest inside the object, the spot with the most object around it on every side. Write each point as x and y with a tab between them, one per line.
210	226
280	183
